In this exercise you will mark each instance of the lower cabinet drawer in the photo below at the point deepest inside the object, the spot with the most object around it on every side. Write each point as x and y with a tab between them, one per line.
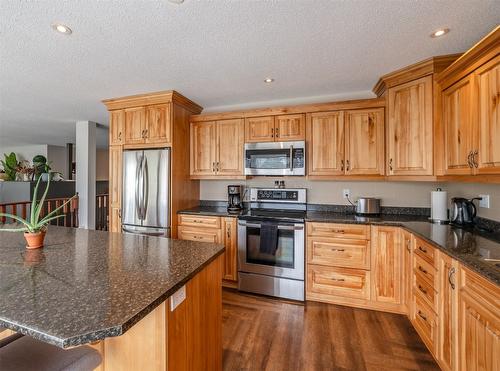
199	221
424	321
338	230
201	235
338	252
425	290
345	282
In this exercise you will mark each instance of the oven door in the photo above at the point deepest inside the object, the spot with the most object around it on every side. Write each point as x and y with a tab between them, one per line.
288	260
275	158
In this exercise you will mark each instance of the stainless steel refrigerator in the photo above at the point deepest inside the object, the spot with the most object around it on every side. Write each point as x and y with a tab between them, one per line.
146	190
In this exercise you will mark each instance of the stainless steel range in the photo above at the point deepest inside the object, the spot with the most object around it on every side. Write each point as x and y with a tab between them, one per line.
271	243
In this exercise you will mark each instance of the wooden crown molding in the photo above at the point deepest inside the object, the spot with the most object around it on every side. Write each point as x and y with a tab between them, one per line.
159	97
285	110
415	71
484	50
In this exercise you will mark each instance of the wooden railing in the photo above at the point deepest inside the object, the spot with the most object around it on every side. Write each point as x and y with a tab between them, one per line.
22	209
102	212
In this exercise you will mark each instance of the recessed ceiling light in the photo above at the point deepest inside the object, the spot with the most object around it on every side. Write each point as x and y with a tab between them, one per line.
268	80
61	28
440	32
176	1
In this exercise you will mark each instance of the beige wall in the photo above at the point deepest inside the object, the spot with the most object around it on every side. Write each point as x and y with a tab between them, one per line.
413	194
102	164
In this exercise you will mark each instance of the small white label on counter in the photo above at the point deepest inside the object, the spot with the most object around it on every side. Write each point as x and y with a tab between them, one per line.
178	297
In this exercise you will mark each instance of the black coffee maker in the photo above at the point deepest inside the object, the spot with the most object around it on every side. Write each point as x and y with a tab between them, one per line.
234	198
463	211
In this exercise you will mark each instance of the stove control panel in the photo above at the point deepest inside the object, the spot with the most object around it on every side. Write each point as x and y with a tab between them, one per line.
278	195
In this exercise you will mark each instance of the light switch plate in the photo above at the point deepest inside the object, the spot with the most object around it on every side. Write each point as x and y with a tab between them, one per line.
485	201
177	298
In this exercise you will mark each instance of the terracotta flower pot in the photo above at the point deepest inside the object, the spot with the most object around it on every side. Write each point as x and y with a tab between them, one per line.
34	240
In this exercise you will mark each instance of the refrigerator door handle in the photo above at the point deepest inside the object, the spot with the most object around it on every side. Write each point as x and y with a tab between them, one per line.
138	172
145	187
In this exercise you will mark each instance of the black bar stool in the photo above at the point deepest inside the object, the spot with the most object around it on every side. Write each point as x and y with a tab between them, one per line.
23	353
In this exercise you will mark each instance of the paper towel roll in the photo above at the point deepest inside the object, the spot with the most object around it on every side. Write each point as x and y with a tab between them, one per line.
439	205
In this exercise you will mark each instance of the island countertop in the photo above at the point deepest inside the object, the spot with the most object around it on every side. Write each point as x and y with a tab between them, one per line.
87	285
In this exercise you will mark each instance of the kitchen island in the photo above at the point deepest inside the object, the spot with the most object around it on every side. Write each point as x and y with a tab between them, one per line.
114	291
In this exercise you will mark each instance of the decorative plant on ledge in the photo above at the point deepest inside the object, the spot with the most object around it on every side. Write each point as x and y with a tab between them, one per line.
35	228
10	164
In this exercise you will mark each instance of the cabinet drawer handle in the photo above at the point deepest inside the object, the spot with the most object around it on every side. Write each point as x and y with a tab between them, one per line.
217	166
145	133
213	167
422	249
469	159
120	135
338	231
347	165
272	132
422	269
338	279
451	272
422	316
339	250
277	132
341	165
422	289
228	231
390	164
474	158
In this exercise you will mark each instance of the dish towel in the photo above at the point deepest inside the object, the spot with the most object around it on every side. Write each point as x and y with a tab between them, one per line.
268	238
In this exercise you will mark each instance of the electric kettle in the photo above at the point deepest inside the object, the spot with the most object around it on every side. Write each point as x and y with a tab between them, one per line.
463	211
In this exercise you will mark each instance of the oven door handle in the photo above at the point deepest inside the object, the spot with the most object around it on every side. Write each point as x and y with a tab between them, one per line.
280	227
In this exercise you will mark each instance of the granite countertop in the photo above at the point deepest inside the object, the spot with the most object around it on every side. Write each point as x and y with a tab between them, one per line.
87	285
476	249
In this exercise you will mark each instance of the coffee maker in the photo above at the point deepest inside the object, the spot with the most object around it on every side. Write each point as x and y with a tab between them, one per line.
234	198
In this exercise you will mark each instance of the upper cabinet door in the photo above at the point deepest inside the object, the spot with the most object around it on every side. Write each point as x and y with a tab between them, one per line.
230	135
488	78
158	124
203	148
458	110
259	129
325	137
116	119
410	128
135	125
290	127
364	142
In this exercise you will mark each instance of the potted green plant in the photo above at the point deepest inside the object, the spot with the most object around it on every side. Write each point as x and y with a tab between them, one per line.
41	166
35	227
9	164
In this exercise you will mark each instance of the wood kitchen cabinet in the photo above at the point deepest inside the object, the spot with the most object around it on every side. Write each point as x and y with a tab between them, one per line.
458	122
217	149
116	127
115	188
364	142
448	329
275	128
478	323
407	245
410	128
135	125
386	264
158	128
325	143
214	229
488	80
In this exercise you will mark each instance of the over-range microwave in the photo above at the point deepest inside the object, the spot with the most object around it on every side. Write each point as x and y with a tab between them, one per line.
275	158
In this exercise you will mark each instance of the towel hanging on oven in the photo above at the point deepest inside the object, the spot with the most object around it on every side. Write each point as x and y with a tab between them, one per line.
268	238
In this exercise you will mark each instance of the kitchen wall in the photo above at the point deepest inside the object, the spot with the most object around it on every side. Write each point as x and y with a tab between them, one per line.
413	194
102	164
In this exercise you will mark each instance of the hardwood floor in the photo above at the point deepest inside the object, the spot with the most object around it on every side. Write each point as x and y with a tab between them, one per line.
262	333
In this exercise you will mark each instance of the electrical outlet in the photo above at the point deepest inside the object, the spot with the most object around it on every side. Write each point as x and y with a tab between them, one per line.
485	201
177	298
346	193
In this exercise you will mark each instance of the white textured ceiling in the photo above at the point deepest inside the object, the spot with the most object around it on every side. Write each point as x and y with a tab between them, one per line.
215	52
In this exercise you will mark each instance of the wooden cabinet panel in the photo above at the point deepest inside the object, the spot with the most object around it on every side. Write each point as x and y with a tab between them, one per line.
290	127
325	147
116	123
364	143
426	270
386	265
447	345
410	128
358	231
229	144
425	250
203	148
115	188
259	129
488	78
158	128
425	322
458	120
115	220
231	253
199	221
338	252
479	323
426	291
135	125
327	282
199	234
407	242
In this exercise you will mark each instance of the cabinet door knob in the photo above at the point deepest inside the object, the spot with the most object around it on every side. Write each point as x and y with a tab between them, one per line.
213	167
277	132
390	164
469	159
341	165
119	135
347	165
272	132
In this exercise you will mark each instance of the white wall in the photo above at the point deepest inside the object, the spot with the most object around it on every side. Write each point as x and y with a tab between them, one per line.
102	164
412	194
26	152
57	157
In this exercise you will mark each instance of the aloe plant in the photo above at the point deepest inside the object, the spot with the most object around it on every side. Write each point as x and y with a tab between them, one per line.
34	223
